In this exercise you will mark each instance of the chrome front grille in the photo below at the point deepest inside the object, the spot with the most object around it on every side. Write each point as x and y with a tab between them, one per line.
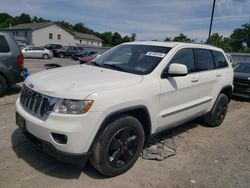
36	103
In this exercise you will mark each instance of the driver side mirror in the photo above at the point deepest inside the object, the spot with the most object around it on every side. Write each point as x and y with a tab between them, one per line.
175	70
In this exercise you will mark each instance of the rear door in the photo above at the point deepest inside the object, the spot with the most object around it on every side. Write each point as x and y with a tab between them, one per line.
9	53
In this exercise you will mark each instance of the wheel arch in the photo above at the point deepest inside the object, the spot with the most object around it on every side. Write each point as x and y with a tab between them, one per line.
6	78
228	91
140	112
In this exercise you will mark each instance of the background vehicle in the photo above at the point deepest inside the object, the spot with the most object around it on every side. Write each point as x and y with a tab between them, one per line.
37	52
242	80
66	51
22	46
108	109
53	47
80	54
11	62
89	57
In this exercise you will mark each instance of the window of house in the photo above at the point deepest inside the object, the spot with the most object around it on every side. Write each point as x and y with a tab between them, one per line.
204	59
25	33
185	57
16	33
50	36
4	47
59	37
80	41
13	33
219	59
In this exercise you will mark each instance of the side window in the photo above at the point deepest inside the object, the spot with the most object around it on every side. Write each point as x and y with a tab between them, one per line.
219	59
4	47
185	57
204	59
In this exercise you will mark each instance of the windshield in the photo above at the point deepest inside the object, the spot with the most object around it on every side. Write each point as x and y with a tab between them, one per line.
242	67
136	59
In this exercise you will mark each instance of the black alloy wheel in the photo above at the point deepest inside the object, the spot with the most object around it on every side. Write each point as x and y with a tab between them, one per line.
119	146
221	110
122	147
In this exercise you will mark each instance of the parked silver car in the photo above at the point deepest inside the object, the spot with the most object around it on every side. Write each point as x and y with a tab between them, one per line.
37	52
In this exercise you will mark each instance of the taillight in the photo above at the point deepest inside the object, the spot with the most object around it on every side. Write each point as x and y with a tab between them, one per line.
20	61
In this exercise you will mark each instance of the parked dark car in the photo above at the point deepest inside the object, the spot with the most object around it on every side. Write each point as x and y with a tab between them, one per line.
242	80
11	62
53	47
82	54
66	51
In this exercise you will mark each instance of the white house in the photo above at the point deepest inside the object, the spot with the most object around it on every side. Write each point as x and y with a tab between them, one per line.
40	34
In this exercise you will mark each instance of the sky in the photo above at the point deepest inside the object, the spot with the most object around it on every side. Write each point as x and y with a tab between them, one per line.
149	19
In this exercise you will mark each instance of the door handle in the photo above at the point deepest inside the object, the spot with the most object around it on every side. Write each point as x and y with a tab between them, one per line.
218	75
194	79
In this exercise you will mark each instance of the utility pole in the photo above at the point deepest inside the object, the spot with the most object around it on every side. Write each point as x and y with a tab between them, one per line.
211	23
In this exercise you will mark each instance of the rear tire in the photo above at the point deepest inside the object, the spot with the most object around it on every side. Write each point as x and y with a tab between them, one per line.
118	147
3	85
45	56
216	116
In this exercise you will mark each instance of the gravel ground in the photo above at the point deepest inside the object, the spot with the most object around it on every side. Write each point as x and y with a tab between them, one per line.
205	157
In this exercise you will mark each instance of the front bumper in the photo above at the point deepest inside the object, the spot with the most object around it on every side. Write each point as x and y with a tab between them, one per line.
80	130
75	159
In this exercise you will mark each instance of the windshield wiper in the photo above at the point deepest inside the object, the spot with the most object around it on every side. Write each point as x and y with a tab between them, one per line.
114	66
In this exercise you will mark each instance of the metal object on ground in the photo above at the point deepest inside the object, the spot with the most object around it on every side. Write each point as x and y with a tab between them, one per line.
160	148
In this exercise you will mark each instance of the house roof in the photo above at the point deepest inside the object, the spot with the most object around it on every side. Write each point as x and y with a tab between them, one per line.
86	36
29	26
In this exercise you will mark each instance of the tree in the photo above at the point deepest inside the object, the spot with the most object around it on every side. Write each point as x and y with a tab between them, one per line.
181	38
126	39
23	18
4	17
107	38
79	27
167	39
116	39
220	41
133	36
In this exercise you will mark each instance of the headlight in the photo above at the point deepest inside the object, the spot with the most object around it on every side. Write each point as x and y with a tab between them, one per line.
67	106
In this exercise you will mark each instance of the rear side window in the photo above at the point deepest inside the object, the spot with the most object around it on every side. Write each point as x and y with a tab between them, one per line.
185	57
204	59
219	59
4	47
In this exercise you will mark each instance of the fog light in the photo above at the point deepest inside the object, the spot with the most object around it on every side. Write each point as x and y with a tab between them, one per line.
59	138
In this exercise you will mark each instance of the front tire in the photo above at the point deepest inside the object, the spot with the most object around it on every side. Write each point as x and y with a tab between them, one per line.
216	116
45	56
118	147
3	85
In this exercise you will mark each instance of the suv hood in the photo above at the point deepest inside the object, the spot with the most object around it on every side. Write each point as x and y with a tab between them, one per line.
77	82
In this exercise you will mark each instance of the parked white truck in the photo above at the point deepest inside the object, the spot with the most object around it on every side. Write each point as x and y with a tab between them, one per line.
106	110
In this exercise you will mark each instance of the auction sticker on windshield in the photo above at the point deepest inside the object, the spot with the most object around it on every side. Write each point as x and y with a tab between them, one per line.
155	54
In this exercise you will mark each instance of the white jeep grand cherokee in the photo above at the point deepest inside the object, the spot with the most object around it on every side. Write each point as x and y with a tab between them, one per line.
106	110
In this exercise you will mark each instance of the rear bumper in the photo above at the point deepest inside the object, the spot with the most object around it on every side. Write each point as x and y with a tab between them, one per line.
78	160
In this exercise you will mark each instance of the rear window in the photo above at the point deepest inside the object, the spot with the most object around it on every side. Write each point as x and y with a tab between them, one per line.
4	47
204	59
219	59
